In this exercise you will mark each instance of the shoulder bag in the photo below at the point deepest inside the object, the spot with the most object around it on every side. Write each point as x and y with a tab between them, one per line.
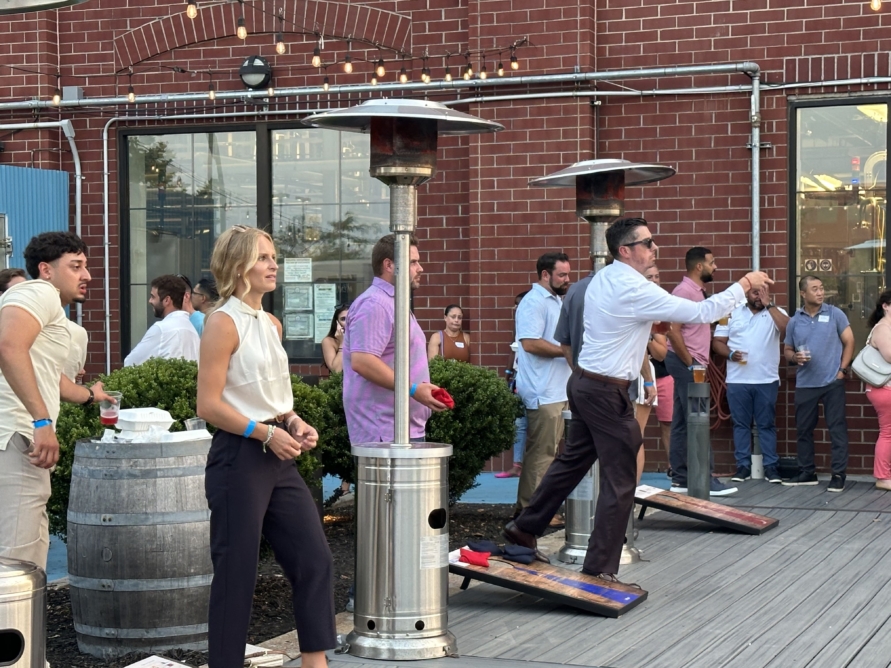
870	366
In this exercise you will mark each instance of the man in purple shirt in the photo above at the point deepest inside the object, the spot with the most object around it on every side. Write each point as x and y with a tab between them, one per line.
369	351
689	344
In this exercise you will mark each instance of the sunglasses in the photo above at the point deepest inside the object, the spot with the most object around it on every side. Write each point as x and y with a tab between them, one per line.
648	242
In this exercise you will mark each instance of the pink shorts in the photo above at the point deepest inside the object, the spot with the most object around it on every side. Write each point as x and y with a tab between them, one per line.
665	398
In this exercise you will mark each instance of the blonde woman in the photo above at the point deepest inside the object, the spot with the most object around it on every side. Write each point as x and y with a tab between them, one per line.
251	482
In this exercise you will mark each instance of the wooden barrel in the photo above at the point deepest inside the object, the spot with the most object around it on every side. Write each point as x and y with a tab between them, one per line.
139	547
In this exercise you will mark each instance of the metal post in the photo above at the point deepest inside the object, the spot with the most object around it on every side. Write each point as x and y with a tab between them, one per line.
580	505
757	457
403	214
698	440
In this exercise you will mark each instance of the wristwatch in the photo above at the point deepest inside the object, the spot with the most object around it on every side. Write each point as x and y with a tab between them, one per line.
90	399
844	369
770	306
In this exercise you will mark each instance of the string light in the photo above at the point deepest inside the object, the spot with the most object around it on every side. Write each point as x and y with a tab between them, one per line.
326	83
448	73
270	91
280	47
316	57
373	80
483	73
192	9
500	68
57	91
241	31
425	71
347	64
380	70
131	94
468	69
403	75
875	5
211	91
514	63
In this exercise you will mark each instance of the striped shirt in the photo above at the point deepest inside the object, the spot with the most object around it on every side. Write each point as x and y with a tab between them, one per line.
371	328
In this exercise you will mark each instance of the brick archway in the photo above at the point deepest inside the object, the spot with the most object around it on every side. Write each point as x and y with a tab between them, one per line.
334	20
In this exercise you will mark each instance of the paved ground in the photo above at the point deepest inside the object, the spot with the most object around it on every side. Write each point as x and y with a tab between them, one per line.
813	592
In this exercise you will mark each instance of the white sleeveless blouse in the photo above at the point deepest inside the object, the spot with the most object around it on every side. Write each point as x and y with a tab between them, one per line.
258	383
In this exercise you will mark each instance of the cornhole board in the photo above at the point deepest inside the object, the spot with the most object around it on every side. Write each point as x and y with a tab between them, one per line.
727	517
552	583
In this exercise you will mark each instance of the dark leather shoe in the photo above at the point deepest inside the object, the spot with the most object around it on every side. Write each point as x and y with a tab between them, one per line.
513	534
611	579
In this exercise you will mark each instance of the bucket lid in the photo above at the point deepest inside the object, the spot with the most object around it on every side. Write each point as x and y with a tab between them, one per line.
17	577
421	450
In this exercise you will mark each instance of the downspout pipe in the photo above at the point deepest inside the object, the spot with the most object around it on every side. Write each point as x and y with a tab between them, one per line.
68	129
454	85
756	171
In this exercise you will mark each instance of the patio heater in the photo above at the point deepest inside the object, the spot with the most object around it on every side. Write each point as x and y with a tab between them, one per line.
599	198
402	538
23	6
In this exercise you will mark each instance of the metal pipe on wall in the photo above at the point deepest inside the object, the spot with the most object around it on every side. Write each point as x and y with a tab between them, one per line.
68	129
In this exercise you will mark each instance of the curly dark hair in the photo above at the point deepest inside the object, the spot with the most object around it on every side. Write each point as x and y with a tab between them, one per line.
171	286
49	247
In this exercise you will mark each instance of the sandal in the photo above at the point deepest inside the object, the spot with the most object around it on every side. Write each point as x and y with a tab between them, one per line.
513	473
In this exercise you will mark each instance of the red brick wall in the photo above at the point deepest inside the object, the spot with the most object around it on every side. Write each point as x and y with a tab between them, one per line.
481	226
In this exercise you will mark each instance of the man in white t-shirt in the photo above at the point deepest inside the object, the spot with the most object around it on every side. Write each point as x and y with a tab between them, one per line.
173	336
751	343
35	349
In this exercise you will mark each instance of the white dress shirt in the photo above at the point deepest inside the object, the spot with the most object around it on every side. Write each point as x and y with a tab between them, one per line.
170	338
540	380
757	334
620	309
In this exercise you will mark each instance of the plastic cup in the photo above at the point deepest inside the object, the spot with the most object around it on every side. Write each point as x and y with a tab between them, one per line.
194	424
723	320
698	373
743	357
806	351
109	410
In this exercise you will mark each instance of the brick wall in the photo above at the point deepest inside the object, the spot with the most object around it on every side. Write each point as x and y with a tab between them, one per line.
481	226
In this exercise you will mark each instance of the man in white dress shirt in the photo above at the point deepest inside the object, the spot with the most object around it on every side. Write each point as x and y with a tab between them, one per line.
173	336
620	308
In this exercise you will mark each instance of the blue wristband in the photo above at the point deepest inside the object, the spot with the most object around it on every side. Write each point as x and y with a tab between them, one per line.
649	384
45	422
250	428
414	388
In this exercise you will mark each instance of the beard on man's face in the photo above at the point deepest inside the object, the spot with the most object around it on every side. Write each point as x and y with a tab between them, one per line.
706	277
560	290
159	311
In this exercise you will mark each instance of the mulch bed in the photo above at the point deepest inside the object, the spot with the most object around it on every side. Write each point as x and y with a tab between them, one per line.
272	614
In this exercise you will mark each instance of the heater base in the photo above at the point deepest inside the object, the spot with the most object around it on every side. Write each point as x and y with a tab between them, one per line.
400	648
572	554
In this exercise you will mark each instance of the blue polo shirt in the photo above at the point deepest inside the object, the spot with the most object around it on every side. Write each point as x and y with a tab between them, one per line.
822	334
540	380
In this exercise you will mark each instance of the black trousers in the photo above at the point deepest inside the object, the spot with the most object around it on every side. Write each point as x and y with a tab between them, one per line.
252	493
602	427
807	401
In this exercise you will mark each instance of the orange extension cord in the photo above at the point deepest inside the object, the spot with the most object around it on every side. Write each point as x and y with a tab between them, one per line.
717	377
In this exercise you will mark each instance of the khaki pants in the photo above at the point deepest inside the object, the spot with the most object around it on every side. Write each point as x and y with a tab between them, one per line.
24	492
543	433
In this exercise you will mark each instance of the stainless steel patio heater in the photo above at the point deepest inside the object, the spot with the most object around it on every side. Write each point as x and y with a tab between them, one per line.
599	198
402	537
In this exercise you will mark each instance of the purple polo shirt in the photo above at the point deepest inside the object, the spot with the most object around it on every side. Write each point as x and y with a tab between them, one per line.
371	328
697	338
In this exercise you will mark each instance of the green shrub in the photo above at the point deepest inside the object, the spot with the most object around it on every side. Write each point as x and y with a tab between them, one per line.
170	385
481	424
336	456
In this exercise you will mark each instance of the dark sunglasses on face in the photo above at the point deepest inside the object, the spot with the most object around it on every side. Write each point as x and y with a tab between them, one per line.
648	242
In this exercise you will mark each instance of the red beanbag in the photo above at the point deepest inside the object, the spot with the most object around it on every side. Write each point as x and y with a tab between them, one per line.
474	558
443	396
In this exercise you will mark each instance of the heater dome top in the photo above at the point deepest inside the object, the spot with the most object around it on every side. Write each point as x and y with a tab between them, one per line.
636	173
358	118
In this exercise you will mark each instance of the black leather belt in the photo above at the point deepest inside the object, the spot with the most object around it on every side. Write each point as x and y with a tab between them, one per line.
605	379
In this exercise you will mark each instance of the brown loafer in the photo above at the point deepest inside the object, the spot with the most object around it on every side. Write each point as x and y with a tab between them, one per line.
612	579
514	534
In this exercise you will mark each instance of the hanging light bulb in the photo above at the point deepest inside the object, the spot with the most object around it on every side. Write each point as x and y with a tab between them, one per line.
403	75
131	94
483	73
280	47
468	72
211	92
875	5
348	64
326	83
57	96
514	63
448	74
241	31
373	80
191	9
380	70
270	91
500	69
316	57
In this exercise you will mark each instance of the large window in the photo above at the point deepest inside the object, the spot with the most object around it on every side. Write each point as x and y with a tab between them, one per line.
839	205
309	188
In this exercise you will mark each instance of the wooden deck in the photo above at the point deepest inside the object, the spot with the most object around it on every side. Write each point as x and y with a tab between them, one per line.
815	591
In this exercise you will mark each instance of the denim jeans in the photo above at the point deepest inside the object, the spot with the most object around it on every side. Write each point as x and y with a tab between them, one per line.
520	440
753	403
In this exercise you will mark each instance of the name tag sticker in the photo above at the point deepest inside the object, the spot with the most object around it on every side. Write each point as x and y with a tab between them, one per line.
823	318
459	344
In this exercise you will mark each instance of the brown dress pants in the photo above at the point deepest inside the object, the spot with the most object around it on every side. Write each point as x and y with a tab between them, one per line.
602	428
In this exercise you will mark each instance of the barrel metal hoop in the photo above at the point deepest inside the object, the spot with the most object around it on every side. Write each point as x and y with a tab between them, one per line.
115	473
165	632
94	450
138	519
156	584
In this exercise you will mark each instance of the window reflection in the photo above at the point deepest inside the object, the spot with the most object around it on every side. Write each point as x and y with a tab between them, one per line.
841	201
